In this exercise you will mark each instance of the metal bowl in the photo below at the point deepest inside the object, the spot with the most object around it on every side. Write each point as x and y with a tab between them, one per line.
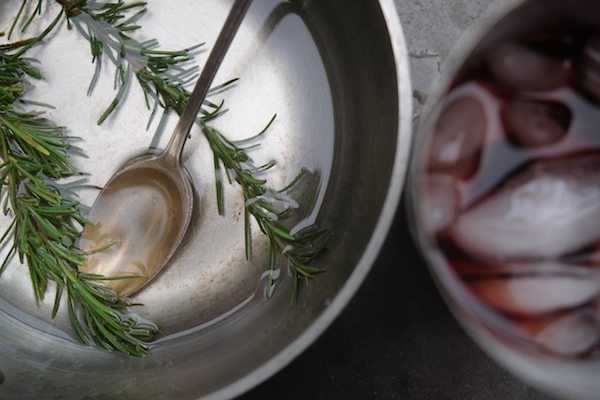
336	74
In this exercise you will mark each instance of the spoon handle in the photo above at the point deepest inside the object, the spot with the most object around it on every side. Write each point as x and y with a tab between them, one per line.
172	153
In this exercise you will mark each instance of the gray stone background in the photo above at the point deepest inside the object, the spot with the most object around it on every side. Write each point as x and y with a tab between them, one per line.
436	30
397	339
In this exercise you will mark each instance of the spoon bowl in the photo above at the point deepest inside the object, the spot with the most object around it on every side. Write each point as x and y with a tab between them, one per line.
140	218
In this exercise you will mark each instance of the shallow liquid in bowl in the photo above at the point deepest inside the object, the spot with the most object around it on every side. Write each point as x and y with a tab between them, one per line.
280	72
511	193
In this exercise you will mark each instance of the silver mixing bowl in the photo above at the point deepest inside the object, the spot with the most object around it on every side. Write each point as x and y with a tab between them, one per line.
338	73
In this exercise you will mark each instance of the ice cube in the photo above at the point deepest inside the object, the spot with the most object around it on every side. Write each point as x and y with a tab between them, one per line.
536	294
441	202
549	209
522	68
536	123
458	138
571	334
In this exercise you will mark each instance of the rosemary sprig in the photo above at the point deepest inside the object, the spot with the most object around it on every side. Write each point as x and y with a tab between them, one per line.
260	200
46	220
108	27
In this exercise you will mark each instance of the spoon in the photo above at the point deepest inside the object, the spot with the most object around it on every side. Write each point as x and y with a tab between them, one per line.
142	214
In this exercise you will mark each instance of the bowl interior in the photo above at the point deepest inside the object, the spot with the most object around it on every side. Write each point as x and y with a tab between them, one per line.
336	75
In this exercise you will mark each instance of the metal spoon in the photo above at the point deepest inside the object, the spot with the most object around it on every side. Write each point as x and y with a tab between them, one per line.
145	209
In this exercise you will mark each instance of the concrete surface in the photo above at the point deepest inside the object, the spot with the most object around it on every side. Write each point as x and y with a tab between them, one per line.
437	31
